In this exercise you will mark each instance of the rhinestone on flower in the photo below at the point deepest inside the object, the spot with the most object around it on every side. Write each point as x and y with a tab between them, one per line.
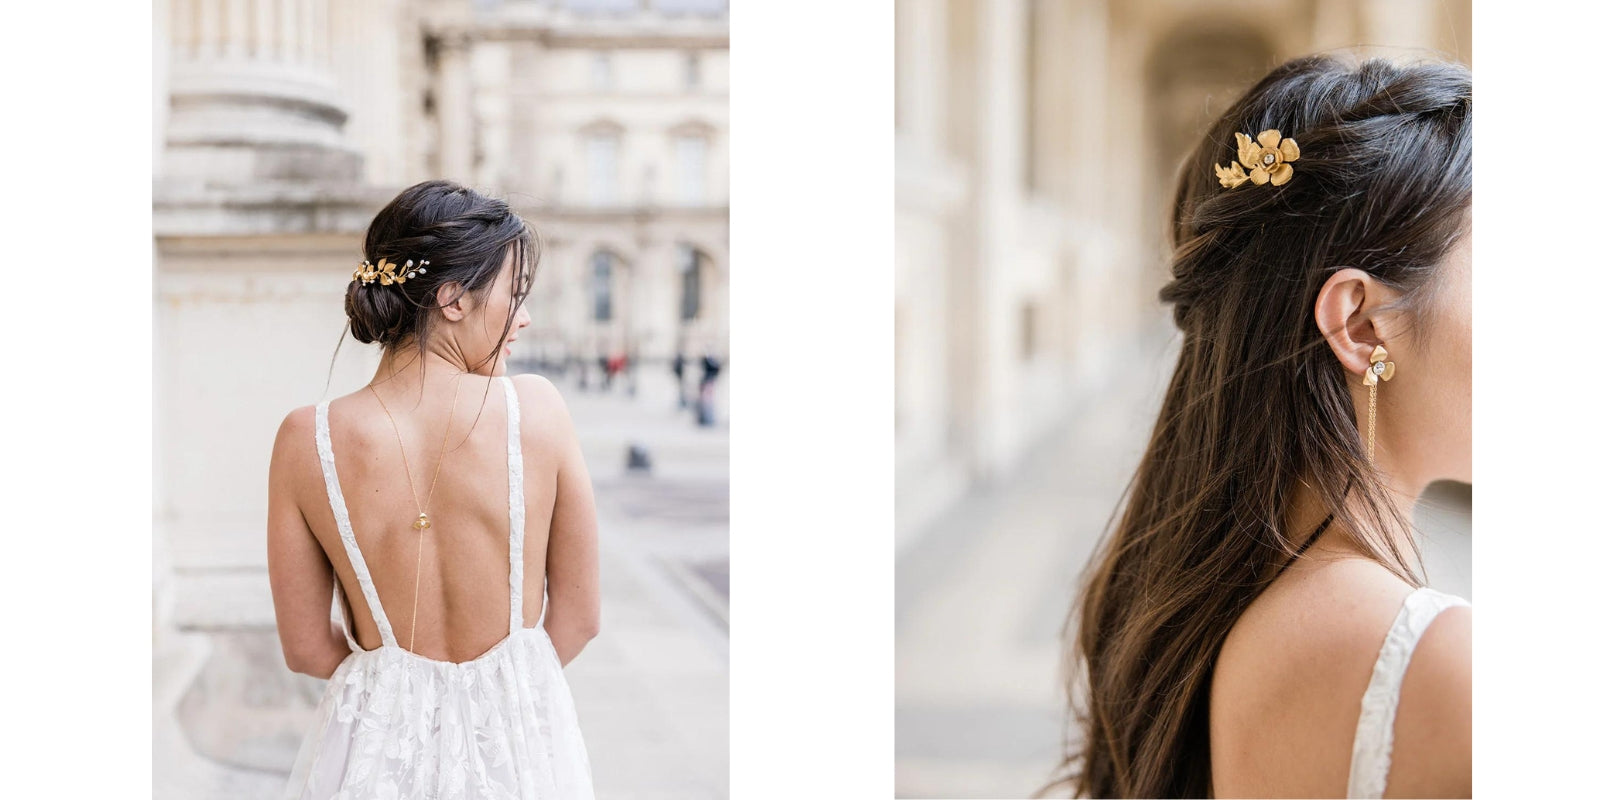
1380	369
1267	159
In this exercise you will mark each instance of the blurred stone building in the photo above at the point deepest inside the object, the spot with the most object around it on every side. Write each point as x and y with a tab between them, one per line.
1037	143
282	126
1036	146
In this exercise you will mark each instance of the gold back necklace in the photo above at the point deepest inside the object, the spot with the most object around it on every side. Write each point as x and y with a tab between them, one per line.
422	522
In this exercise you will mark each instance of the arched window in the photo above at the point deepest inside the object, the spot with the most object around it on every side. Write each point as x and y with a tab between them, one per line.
691	276
602	276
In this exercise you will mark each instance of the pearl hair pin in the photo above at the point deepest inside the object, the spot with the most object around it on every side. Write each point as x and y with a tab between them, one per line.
386	272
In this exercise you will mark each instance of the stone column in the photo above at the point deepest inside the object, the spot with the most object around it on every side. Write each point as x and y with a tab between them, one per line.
455	108
656	326
933	256
920	85
252	98
258	208
375	55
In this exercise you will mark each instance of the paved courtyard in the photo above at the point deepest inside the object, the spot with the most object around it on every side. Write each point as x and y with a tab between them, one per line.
652	690
981	596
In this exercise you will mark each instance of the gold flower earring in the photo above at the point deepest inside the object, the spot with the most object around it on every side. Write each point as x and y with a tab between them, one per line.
1380	369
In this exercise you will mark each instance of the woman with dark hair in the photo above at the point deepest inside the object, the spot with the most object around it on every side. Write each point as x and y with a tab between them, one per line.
1256	623
453	531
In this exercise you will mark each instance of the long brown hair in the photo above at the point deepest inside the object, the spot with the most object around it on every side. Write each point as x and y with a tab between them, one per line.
1258	403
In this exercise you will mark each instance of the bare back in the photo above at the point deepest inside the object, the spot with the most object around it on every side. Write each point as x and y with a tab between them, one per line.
463	590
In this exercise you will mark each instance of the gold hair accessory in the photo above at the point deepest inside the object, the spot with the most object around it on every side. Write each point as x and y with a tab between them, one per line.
1380	369
1267	159
386	272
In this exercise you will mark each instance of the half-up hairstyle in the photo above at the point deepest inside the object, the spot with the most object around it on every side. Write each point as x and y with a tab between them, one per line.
1258	402
465	237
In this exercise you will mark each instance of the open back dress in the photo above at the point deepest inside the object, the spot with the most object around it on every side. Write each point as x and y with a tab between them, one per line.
394	724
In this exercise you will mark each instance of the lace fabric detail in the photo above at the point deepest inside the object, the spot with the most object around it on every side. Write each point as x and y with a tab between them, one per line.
1369	758
341	515
518	506
394	724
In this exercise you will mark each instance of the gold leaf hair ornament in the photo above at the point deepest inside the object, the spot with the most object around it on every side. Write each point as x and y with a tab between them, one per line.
1267	159
1232	176
386	272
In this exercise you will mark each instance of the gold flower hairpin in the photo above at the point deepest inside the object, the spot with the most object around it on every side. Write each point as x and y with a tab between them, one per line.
386	272
1267	158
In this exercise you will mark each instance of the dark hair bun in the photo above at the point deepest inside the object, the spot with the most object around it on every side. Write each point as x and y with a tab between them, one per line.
378	314
464	235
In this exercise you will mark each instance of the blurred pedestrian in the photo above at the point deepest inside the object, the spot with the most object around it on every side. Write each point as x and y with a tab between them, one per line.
630	362
710	367
678	365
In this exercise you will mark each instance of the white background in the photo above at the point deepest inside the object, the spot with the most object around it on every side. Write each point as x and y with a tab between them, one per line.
812	509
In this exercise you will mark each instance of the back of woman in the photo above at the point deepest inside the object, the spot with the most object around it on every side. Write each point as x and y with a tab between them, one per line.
1256	622
437	511
465	594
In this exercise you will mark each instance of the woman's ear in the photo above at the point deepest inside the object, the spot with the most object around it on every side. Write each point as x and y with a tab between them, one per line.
453	300
1344	315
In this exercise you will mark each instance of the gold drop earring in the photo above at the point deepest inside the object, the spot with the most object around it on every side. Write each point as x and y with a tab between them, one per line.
1379	370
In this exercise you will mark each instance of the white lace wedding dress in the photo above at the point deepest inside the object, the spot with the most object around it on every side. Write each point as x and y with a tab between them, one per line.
1369	759
393	724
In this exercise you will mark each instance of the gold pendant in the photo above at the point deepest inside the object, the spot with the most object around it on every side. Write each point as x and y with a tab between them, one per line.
422	522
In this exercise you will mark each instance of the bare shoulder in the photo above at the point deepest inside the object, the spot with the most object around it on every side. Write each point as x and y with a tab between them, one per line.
532	384
1432	754
294	452
296	435
538	390
544	412
1331	615
1287	688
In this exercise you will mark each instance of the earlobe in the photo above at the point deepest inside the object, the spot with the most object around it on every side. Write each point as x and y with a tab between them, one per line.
1343	314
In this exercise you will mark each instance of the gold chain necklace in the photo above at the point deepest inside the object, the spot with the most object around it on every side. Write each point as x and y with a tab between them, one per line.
422	514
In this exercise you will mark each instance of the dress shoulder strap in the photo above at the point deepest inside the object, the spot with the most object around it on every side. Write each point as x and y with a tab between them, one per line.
518	509
337	615
341	515
1369	759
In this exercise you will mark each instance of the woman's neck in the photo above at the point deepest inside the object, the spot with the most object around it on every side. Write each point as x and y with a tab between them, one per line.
408	369
1307	511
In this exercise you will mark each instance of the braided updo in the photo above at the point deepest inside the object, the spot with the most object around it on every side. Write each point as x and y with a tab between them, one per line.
1385	172
1259	407
464	235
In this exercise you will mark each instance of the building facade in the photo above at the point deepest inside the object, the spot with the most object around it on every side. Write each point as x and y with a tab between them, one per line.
611	128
